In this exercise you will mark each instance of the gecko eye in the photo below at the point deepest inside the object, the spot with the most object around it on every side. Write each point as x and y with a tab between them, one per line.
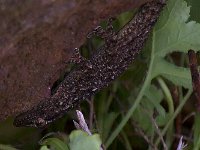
40	122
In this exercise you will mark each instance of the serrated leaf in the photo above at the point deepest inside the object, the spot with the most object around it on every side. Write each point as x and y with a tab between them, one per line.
55	143
80	140
178	75
173	32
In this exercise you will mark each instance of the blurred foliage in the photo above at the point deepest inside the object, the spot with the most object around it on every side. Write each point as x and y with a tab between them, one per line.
194	9
138	110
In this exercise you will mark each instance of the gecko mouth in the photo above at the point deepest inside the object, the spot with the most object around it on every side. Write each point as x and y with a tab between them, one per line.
27	119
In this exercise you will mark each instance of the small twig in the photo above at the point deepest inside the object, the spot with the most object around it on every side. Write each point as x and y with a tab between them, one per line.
158	132
157	129
178	120
192	114
195	76
142	134
91	117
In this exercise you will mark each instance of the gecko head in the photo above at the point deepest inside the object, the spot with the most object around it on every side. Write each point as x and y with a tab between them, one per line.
31	119
39	116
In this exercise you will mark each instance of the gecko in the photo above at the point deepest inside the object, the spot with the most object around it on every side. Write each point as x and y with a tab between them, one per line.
99	70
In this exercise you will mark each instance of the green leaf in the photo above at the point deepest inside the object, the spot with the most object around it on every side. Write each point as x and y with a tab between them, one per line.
80	140
155	96
44	147
161	121
178	75
195	15
173	32
6	147
55	143
151	101
108	122
143	120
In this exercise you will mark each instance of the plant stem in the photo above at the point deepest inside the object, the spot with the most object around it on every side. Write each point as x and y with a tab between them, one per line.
170	107
182	102
167	94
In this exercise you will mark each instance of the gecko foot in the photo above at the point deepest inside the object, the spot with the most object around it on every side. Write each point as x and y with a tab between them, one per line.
76	57
106	34
98	31
111	34
109	28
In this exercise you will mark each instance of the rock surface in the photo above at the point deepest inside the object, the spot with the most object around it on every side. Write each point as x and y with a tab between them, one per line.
36	39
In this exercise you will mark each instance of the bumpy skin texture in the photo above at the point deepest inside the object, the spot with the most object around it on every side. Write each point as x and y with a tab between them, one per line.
91	75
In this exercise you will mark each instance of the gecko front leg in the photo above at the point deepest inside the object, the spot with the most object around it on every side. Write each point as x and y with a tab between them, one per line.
76	58
106	34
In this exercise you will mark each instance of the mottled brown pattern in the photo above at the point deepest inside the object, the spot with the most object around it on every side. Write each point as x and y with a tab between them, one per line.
91	75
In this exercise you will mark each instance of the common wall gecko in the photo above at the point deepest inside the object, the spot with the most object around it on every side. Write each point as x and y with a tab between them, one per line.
95	73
